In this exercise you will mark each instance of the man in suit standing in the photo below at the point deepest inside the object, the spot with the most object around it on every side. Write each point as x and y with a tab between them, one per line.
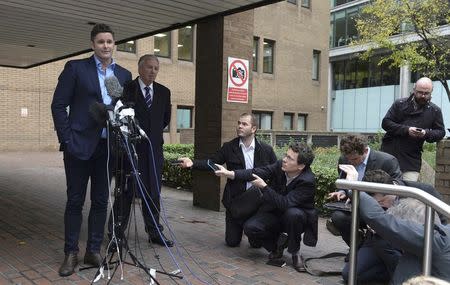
243	152
355	151
80	85
152	109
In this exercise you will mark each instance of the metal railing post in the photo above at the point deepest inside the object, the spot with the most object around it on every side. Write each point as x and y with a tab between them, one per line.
354	238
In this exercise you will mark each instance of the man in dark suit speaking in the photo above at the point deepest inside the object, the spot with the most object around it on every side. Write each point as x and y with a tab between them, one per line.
152	109
80	85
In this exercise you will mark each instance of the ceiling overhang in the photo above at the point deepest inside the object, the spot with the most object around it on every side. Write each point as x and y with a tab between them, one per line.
36	32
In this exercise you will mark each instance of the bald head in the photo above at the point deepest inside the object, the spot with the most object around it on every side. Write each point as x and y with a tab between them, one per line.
422	90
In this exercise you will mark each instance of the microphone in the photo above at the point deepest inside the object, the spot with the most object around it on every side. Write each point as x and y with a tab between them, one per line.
98	112
113	87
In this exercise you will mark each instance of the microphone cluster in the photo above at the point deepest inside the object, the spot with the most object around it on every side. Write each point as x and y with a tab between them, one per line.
120	116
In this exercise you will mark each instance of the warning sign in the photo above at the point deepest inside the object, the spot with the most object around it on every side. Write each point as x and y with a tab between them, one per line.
237	90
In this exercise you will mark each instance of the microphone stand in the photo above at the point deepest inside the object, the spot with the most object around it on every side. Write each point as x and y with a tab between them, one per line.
119	241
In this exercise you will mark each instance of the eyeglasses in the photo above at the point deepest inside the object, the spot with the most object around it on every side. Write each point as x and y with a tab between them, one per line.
422	93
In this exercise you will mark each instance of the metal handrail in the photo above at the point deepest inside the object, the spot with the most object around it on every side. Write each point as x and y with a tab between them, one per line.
432	203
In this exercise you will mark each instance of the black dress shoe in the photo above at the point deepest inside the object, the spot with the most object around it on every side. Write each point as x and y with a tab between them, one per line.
160	240
297	263
93	258
68	266
281	245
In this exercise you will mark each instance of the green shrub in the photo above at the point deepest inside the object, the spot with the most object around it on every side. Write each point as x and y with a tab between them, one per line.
174	175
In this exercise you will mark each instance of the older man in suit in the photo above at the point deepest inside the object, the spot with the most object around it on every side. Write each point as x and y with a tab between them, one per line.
152	107
355	151
80	85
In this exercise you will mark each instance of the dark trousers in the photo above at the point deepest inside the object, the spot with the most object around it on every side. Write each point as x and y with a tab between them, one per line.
148	191
78	173
122	208
233	231
376	261
265	227
343	222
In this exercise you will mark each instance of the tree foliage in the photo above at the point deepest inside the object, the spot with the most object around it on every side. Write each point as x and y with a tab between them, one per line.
410	31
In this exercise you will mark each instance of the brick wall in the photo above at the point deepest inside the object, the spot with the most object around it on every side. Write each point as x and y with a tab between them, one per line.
442	180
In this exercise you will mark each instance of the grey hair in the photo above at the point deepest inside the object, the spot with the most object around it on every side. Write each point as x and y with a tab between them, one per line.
146	57
411	209
425	280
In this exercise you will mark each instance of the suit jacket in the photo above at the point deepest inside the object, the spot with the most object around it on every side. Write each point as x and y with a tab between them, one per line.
152	120
78	88
231	154
377	160
278	197
408	236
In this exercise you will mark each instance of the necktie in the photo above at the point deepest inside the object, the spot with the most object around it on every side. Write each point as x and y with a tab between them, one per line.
148	97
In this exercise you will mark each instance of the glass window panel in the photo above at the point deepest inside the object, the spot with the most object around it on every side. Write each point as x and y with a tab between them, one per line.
350	74
292	1
264	120
185	40
352	33
338	74
184	118
339	26
288	121
362	74
316	65
162	44
255	53
268	46
129	46
374	72
301	122
305	3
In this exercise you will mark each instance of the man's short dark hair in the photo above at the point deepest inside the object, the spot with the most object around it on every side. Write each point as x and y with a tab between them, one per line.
305	153
253	120
353	144
378	176
100	28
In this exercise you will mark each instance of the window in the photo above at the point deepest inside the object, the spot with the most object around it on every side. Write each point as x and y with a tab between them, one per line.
301	122
343	26
255	53
268	47
185	40
292	1
264	120
129	46
305	3
316	65
357	73
288	121
184	117
162	44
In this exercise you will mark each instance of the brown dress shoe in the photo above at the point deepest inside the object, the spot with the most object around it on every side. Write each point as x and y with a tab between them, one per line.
68	266
93	258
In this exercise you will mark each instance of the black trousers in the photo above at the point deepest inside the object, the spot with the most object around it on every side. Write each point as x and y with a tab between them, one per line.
343	222
265	227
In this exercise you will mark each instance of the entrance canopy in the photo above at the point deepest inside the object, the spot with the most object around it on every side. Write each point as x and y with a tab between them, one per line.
35	32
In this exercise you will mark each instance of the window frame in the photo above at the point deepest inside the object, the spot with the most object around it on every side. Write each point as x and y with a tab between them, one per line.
169	44
272	62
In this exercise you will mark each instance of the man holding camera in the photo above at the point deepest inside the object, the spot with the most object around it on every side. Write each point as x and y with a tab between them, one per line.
408	124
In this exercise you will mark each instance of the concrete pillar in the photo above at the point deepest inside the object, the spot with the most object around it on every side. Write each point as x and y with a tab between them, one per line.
442	178
405	81
215	119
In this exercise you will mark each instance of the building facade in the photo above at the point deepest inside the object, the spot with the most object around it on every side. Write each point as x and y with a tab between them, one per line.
360	91
289	78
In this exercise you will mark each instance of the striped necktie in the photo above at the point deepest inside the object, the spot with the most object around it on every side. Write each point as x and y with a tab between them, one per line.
148	97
